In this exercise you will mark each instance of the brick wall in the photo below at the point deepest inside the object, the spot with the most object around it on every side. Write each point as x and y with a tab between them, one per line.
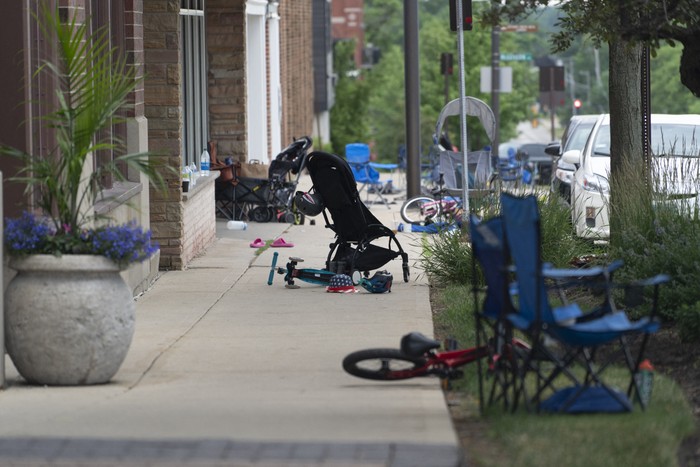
163	109
297	77
226	46
348	23
227	75
199	220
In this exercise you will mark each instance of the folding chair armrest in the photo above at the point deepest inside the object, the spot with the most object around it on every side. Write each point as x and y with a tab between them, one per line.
379	165
550	272
652	281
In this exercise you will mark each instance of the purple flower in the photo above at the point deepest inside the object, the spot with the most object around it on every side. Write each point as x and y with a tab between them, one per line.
123	244
25	233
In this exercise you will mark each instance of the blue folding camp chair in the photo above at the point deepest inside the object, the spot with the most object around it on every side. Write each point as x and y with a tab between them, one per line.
577	334
358	157
490	312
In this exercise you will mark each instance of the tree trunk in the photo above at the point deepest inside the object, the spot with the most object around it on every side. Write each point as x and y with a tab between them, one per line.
627	157
690	65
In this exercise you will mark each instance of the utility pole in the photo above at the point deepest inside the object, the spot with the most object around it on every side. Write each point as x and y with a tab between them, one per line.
461	19
412	93
495	85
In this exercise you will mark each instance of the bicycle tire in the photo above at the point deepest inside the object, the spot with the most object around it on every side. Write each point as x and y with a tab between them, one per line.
412	212
383	364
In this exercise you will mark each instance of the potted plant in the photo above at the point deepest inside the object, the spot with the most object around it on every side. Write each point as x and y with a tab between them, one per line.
69	316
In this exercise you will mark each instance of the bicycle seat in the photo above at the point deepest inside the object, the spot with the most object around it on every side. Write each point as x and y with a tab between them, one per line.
437	191
416	344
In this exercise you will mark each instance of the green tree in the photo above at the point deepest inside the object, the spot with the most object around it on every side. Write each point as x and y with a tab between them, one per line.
384	23
348	115
386	80
668	95
626	26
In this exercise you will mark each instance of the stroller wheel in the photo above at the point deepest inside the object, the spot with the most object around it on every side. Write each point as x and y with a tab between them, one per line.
290	217
261	214
298	218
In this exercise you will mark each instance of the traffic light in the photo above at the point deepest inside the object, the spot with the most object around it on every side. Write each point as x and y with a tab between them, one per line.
466	15
446	67
577	105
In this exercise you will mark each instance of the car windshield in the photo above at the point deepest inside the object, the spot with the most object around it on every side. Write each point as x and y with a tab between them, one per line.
601	145
667	139
579	136
675	140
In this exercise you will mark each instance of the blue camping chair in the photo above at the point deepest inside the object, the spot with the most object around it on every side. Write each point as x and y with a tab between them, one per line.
492	305
358	157
578	334
493	328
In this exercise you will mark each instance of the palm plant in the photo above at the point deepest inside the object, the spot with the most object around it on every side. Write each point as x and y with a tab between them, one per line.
93	84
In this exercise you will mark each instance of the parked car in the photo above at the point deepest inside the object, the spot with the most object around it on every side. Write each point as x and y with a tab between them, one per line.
676	137
575	135
541	161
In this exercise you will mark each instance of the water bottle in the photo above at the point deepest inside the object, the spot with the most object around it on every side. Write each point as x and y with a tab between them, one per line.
204	161
236	225
645	381
194	174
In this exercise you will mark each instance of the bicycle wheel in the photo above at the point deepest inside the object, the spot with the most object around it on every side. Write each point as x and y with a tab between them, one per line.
420	209
383	364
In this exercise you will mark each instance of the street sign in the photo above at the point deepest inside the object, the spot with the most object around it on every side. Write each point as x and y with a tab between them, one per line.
505	75
519	28
516	57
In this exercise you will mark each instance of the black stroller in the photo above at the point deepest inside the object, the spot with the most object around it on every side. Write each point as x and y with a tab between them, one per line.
264	200
354	225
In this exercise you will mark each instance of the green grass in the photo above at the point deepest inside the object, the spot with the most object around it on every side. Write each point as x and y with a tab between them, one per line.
653	241
639	438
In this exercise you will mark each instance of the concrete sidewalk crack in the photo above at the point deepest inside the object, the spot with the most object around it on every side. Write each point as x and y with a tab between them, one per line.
188	330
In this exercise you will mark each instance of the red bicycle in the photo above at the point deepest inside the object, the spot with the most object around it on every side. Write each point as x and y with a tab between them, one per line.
417	357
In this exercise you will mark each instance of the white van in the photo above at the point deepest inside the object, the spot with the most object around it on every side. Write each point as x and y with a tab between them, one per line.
677	136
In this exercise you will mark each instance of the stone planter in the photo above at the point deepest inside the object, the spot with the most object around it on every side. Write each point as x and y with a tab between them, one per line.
69	320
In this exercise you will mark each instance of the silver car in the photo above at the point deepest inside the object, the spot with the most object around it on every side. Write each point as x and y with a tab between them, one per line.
675	143
575	135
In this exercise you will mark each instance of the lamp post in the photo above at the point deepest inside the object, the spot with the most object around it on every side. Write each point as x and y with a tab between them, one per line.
412	93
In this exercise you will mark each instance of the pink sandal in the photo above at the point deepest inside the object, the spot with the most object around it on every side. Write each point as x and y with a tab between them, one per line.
280	243
257	243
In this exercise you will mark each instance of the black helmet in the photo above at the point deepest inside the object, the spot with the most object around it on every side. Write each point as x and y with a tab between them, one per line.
379	283
308	203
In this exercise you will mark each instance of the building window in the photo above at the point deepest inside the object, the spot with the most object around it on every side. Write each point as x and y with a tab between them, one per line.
109	15
194	80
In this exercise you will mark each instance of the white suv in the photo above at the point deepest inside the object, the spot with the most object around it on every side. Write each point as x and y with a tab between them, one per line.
590	188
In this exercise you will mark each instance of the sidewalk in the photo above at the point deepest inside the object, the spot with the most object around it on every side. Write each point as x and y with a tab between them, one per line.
225	370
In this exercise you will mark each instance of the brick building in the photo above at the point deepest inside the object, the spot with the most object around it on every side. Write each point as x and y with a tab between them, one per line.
239	72
348	23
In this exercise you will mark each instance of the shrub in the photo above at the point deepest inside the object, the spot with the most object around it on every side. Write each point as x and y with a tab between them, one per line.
658	233
688	322
559	244
446	258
